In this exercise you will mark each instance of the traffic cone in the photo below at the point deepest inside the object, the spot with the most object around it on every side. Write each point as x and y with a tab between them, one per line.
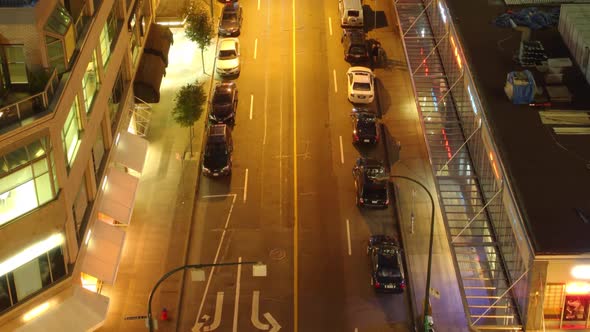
164	314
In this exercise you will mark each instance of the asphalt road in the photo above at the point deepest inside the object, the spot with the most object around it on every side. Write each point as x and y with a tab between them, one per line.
290	200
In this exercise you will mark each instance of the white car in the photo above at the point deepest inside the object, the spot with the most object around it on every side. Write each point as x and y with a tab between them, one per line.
228	58
361	85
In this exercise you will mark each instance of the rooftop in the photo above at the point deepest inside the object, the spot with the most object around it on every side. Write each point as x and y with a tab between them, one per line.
549	173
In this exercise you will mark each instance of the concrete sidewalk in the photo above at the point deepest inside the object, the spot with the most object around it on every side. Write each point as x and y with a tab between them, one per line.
408	156
157	237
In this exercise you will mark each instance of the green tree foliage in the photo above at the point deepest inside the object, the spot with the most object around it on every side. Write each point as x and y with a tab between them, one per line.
199	28
190	104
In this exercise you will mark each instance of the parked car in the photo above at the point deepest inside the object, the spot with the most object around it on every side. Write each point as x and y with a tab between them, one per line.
224	103
227	1
365	126
228	58
371	183
230	21
355	46
351	13
361	85
387	272
217	160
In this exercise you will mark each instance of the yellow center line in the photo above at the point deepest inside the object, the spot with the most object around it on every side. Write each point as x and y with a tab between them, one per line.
295	203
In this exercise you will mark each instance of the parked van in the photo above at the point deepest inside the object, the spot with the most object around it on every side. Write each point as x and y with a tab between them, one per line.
351	13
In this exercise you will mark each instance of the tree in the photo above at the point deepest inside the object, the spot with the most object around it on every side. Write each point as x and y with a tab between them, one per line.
190	103
199	28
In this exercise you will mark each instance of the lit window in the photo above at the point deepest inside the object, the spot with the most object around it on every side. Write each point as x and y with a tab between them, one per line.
105	45
71	132
90	83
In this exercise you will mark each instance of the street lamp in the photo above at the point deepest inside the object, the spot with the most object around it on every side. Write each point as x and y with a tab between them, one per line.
184	267
427	317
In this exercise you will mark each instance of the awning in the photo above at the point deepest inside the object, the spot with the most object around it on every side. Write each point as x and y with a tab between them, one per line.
118	197
148	78
80	311
103	252
158	41
131	151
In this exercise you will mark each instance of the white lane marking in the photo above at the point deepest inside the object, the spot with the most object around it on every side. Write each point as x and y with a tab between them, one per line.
251	105
341	150
335	83
217	196
246	186
255	320
356	329
330	24
255	47
235	328
231	208
258	4
217	317
348	236
281	152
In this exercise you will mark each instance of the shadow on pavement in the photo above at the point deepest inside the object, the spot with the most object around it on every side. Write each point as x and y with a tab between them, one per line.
374	19
382	98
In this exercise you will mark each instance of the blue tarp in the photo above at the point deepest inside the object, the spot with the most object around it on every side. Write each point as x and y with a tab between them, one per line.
530	17
523	86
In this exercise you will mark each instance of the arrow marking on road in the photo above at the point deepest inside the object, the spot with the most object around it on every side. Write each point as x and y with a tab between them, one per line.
255	321
275	327
217	317
237	301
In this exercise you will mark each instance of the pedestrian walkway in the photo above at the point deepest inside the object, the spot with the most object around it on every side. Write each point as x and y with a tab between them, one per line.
409	157
157	235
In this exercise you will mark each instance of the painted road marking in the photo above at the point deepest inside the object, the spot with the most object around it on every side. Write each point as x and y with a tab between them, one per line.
330	24
341	150
265	105
348	236
335	83
217	196
217	317
246	186
231	208
255	47
235	328
251	105
356	329
258	4
295	189
275	327
255	321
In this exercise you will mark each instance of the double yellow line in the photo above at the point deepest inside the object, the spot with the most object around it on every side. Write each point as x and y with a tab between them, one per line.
295	202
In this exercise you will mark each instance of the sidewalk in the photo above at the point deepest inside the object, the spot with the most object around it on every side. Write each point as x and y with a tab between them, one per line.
157	237
408	156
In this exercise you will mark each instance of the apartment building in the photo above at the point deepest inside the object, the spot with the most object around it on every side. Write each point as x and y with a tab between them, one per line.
70	154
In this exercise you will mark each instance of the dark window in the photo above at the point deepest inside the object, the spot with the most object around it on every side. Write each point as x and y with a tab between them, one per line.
58	267
5	302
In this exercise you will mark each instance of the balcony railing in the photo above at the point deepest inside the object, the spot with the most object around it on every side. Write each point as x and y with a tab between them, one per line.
81	22
27	109
17	3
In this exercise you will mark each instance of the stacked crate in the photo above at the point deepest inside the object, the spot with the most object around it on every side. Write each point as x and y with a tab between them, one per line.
574	27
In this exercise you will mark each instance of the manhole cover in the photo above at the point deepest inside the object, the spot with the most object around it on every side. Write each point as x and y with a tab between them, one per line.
277	254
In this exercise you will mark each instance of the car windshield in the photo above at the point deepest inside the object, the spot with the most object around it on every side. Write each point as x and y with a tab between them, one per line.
227	54
222	98
357	50
353	13
366	122
229	17
215	149
361	86
389	273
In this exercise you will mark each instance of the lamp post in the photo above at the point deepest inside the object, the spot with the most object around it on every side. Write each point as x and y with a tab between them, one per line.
171	272
427	317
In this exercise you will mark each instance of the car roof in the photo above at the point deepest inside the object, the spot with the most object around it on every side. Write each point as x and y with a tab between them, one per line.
228	43
225	87
360	69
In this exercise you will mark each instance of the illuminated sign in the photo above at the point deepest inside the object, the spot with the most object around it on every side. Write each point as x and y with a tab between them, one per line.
581	272
456	52
577	288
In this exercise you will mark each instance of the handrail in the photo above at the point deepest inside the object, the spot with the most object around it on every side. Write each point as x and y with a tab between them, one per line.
45	96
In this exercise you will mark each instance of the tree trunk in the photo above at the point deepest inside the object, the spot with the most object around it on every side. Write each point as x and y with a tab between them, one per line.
203	59
190	140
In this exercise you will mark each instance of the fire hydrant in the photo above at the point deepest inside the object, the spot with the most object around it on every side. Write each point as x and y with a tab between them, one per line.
164	314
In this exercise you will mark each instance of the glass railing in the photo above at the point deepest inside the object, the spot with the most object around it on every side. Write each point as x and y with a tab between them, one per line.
81	22
29	108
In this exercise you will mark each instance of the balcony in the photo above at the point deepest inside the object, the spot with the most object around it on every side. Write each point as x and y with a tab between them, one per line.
18	109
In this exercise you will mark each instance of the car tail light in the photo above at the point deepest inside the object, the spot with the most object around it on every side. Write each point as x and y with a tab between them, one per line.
377	138
377	284
403	285
355	136
361	200
387	201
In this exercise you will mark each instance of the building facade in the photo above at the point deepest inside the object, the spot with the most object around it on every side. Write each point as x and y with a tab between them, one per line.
66	107
506	281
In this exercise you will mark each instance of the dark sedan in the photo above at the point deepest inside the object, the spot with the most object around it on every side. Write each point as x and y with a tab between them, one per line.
365	127
230	21
387	272
224	103
370	182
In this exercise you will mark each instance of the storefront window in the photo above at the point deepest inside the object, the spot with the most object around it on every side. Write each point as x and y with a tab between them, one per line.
25	180
71	132
90	83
